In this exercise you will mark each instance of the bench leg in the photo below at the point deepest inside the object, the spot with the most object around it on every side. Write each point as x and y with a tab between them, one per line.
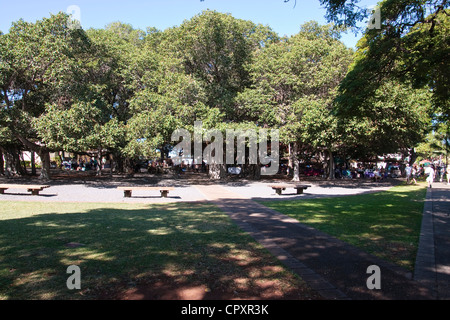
164	193
34	192
299	190
278	191
127	193
2	191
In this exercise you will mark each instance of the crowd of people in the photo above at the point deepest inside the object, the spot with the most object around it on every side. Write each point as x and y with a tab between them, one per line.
375	173
81	164
432	172
412	173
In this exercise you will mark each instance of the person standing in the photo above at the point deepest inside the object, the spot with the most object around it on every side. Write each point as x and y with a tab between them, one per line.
414	173
408	171
448	175
430	177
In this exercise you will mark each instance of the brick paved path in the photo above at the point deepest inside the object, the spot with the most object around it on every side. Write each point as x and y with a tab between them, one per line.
433	257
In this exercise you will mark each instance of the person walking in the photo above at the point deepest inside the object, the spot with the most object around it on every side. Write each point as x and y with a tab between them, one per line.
441	173
448	175
408	171
430	177
414	174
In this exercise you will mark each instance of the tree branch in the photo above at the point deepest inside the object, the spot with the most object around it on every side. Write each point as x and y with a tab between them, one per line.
29	144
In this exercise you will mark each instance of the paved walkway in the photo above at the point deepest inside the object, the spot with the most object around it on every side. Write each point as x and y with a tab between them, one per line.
433	257
105	190
336	269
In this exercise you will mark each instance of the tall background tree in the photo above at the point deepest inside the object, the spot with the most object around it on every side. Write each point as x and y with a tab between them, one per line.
293	79
38	61
200	68
412	46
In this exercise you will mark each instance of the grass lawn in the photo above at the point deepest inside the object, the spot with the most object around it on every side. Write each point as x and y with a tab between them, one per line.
386	224
123	247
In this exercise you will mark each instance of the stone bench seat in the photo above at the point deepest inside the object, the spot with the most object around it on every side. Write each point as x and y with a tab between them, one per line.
299	187
127	191
34	189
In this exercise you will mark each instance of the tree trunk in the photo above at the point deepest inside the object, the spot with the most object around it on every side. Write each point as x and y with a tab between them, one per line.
9	164
447	144
325	163
119	163
216	171
99	167
2	163
252	171
290	163
296	163
412	156
45	165
111	164
33	163
13	165
257	171
128	166
43	153
20	169
22	166
331	165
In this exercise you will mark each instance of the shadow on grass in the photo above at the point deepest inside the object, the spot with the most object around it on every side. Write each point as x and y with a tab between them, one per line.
170	251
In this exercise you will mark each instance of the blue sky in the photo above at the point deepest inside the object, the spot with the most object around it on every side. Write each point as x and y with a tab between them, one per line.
283	18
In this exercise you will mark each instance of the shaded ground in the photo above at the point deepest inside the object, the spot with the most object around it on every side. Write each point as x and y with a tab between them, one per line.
135	251
169	288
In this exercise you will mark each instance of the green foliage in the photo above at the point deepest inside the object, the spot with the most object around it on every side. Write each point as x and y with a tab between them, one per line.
91	131
126	90
395	118
436	143
215	49
411	47
292	75
37	62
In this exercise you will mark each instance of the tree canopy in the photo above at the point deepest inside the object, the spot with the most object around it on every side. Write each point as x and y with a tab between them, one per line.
412	46
123	91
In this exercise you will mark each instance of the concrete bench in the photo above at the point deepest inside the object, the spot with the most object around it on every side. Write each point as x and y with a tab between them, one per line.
300	188
34	189
127	191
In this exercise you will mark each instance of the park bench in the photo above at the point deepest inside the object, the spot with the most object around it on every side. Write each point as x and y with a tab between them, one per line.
34	189
128	190
279	188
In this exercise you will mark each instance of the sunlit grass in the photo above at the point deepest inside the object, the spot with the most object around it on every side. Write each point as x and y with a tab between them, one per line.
386	224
